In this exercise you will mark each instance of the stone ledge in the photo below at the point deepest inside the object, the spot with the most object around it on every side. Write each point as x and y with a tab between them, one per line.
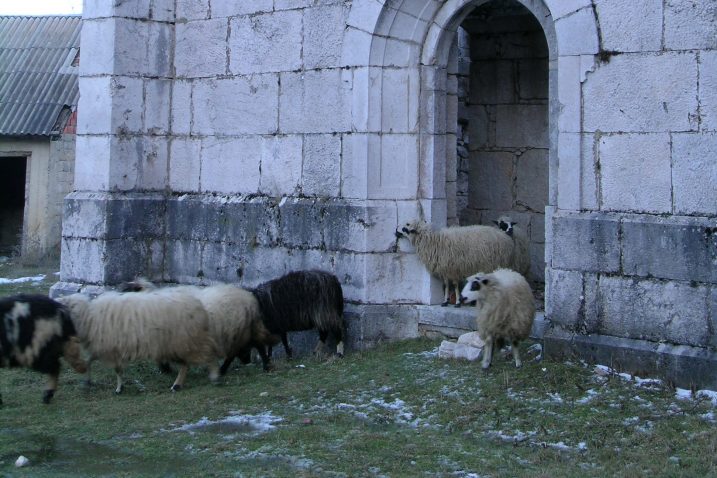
681	365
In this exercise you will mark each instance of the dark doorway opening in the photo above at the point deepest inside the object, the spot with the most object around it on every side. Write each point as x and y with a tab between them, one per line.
12	203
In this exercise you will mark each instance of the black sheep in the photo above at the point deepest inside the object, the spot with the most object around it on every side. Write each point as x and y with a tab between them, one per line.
35	331
303	300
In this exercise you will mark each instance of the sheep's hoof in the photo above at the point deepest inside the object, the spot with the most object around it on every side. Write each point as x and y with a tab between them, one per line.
176	387
47	396
444	304
118	391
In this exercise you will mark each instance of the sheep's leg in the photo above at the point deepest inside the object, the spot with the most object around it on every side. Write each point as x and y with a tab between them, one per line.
265	359
516	353
181	377
285	341
225	365
213	372
120	384
51	387
457	290
446	293
88	375
165	368
487	352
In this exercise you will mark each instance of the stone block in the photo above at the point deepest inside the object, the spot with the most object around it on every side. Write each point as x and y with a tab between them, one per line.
642	93
492	82
624	159
395	279
315	101
92	163
533	79
354	159
569	94
630	27
587	242
690	25
95	107
163	10
577	33
694	173
131	56
393	172
323	36
82	260
157	106
300	224
399	105
160	50
380	323
84	215
712	304
188	10
656	311
565	298
561	8
97	43
264	43
201	48
233	8
321	172
223	262
677	248
181	110
183	263
589	173
153	157
292	4
491	181
569	171
231	165
532	179
133	258
184	165
708	90
433	166
355	47
522	126
537	262
281	159
241	105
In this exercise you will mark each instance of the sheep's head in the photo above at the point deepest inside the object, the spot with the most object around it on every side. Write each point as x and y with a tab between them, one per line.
505	224
411	229
140	284
475	287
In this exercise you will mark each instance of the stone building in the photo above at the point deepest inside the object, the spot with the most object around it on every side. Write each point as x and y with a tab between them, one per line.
235	141
38	99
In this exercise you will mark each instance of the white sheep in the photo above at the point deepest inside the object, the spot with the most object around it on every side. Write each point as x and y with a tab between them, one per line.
161	325
235	319
505	309
454	253
521	252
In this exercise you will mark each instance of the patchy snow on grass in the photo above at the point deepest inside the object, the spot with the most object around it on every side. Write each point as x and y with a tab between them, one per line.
252	424
590	394
561	446
516	437
426	354
707	395
19	280
603	371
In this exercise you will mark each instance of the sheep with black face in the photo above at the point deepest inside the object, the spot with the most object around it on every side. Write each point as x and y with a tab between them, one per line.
521	253
505	309
35	331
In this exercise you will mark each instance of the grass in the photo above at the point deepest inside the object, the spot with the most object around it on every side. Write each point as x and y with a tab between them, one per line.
396	410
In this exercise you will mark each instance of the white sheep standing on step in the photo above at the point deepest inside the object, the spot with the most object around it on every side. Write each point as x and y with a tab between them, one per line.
521	253
505	309
454	253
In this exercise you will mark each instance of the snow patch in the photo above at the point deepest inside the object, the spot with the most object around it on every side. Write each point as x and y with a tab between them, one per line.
19	280
254	424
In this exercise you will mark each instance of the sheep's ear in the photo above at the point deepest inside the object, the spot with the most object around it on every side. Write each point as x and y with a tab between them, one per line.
484	281
496	223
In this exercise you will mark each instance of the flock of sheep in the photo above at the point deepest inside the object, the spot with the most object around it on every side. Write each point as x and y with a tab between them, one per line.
191	325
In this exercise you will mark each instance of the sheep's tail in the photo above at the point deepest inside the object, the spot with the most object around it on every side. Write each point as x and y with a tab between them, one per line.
73	354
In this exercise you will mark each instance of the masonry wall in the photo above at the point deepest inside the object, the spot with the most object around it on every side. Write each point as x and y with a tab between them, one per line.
235	141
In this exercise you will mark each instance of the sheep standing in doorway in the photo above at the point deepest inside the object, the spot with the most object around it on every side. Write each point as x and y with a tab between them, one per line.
505	309
454	253
521	253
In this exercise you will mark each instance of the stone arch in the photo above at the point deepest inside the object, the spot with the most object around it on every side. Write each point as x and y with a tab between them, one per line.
399	103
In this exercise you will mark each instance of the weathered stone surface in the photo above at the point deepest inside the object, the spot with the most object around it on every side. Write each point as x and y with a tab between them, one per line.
694	173
185	164
682	365
231	8
624	159
708	90
492	188
690	25
586	242
656	311
323	35
231	165
532	182
677	248
157	106
564	298
200	48
642	93
522	126
281	162
188	10
634	26
240	105
461	351
265	43
321	172
577	33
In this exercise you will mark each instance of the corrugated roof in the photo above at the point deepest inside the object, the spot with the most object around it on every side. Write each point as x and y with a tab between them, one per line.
37	76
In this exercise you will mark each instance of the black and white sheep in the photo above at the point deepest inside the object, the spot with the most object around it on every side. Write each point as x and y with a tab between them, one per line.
35	331
454	253
521	252
235	320
303	300
162	325
505	309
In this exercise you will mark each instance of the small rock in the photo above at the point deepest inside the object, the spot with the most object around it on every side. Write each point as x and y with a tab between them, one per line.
452	350
21	461
264	394
472	339
301	365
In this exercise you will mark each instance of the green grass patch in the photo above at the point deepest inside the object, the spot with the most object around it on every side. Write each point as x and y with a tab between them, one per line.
396	410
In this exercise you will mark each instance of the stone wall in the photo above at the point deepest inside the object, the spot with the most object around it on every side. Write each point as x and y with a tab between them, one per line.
238	140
